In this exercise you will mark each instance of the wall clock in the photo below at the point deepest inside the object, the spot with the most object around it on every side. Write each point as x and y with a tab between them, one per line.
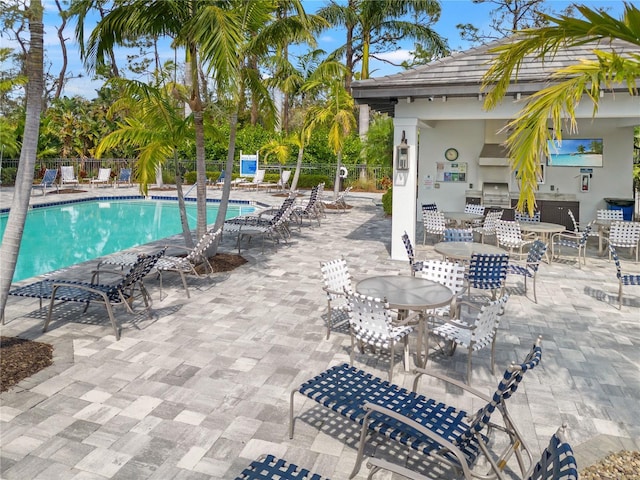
451	154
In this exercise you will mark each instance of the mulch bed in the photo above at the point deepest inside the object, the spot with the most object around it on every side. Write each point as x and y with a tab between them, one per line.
20	358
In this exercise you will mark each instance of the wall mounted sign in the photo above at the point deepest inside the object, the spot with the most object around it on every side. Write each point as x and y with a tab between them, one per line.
451	172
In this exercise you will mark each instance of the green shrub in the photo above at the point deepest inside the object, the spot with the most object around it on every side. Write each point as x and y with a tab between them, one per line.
310	181
9	176
387	202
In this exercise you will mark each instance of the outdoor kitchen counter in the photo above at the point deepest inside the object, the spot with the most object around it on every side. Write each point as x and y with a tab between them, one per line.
557	197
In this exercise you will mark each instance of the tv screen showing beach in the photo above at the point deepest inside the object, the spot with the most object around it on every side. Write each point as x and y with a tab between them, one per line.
576	152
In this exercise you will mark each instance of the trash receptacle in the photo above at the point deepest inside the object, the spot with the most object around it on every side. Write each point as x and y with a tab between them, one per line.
623	204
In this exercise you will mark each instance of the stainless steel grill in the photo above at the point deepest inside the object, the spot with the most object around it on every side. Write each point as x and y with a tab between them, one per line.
496	195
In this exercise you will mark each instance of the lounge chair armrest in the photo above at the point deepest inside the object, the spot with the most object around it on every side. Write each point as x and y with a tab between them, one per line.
370	407
87	288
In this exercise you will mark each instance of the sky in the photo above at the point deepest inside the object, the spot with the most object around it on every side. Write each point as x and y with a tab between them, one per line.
453	13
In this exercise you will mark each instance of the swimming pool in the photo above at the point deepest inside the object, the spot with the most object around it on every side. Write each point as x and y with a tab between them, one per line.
60	235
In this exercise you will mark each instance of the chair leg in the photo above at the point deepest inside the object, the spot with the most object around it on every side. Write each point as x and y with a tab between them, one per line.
329	320
469	365
535	297
392	348
620	297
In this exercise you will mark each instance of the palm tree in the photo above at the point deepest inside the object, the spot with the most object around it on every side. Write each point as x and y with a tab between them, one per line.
336	112
374	26
155	126
10	247
208	30
530	131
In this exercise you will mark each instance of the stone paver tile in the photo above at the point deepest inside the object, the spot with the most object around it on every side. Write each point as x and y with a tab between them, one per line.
141	407
97	413
103	462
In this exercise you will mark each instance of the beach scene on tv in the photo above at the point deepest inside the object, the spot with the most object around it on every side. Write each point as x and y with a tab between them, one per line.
575	152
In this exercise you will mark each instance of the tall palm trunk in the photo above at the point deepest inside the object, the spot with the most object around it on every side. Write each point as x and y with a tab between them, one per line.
336	185
226	188
198	123
296	175
10	247
186	231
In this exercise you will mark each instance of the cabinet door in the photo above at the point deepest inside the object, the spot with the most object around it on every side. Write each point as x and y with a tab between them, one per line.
552	211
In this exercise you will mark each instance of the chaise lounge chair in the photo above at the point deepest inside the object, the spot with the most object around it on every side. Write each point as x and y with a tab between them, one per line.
48	180
68	176
258	179
110	295
124	177
446	434
104	177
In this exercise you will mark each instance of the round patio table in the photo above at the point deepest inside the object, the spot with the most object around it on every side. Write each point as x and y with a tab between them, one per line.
462	218
464	250
545	230
408	293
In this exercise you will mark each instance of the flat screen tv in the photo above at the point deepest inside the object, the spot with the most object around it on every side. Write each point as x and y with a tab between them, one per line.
575	152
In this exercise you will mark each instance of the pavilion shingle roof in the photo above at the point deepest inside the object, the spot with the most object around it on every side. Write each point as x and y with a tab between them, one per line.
461	73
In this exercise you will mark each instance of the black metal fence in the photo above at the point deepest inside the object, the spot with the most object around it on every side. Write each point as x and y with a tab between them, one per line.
88	168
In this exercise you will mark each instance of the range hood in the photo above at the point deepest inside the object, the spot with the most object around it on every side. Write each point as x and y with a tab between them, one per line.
494	155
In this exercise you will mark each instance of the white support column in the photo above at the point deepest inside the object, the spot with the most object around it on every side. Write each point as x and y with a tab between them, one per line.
405	183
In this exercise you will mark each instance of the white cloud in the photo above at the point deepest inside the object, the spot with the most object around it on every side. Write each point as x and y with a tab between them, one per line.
397	56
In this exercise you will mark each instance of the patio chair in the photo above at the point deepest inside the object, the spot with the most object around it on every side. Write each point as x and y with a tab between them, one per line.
610	215
457	235
310	210
476	209
623	278
487	272
104	177
48	180
337	284
413	265
577	241
269	467
509	236
124	177
68	176
283	181
258	178
449	274
529	269
473	331
625	235
371	323
433	223
488	227
109	295
525	217
448	435
340	202
556	462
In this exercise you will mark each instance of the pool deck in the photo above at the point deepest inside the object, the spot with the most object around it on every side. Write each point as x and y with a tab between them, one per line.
202	388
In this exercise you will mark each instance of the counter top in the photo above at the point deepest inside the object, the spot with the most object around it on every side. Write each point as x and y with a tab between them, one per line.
549	196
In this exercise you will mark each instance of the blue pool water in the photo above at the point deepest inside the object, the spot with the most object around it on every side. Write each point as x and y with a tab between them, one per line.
62	235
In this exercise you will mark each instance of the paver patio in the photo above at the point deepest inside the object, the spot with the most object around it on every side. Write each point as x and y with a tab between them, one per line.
202	388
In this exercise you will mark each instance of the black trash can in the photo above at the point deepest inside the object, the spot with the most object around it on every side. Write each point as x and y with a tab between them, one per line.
624	204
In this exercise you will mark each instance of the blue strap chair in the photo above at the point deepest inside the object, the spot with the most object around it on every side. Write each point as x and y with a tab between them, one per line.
447	434
623	278
577	240
109	295
525	217
557	461
413	265
268	467
458	235
529	269
488	272
48	180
